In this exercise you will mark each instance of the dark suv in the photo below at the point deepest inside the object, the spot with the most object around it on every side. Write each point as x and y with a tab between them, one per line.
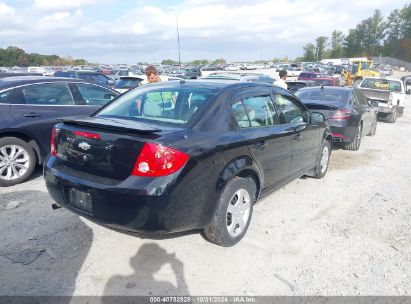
29	108
89	76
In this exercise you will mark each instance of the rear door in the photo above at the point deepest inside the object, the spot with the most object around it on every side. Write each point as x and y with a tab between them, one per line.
37	107
6	121
304	136
269	142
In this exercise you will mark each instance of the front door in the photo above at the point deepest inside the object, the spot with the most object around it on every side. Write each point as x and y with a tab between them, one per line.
304	136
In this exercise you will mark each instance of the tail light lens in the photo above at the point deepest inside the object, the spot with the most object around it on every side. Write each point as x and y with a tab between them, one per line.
339	135
52	144
156	160
87	135
341	114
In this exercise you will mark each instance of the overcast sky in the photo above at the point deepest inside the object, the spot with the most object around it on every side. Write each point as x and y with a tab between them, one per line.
126	31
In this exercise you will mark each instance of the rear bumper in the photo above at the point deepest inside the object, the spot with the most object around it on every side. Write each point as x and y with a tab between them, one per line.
342	134
156	206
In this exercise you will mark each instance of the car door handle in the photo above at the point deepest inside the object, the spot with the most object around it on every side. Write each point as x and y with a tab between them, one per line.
260	145
297	136
32	114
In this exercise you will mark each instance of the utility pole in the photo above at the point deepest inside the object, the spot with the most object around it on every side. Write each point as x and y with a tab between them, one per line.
178	41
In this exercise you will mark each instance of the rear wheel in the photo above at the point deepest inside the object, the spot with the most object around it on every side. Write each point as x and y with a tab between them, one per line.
355	144
373	128
323	159
17	161
233	214
392	117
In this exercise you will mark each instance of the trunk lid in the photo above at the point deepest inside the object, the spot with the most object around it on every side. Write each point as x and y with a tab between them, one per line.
326	110
104	147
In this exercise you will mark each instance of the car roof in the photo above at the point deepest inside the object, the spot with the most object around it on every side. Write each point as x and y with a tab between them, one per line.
10	82
211	83
328	88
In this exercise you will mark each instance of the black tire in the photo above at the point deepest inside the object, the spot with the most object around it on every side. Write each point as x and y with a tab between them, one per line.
356	143
12	141
373	128
321	167
392	117
217	231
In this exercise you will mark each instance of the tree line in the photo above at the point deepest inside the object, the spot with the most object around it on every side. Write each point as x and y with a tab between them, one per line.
14	56
373	36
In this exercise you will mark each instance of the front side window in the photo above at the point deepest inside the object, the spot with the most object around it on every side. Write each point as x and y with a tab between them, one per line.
100	78
291	112
259	112
86	76
170	104
48	94
94	95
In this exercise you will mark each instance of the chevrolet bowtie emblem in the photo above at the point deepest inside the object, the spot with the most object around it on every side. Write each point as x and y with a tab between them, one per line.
83	145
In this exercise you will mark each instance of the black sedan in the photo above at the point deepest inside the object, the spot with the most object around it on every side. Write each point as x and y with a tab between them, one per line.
183	155
349	114
29	108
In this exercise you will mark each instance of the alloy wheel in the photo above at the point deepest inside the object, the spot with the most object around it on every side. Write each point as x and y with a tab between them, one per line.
14	162
324	159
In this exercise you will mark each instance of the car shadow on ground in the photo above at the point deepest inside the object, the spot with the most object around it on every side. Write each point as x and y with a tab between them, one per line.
41	251
38	171
147	262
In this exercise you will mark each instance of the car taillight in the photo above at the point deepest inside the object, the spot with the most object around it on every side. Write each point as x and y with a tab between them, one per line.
338	135
87	135
156	160
341	114
52	144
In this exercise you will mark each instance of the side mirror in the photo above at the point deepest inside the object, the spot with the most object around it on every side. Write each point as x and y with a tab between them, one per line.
317	118
111	82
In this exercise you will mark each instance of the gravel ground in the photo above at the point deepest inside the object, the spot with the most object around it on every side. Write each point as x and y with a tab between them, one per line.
347	234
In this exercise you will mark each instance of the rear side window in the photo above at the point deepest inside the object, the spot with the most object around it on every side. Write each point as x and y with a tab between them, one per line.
94	95
170	104
291	112
5	97
48	94
65	74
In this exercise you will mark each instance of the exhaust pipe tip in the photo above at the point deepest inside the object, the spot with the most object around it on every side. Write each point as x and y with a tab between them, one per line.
55	206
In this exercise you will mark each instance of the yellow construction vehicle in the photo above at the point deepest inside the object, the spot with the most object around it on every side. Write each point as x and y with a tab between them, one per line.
359	70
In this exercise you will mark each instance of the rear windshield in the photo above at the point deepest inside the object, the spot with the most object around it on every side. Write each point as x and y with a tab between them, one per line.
324	82
128	83
382	84
175	105
324	96
295	86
